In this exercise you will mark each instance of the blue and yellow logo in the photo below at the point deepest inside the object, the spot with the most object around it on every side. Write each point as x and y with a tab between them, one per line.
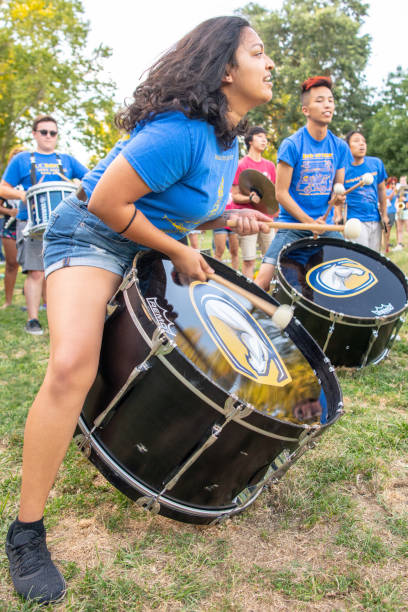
238	336
340	278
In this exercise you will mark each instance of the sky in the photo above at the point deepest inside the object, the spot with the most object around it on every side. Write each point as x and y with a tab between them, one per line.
138	33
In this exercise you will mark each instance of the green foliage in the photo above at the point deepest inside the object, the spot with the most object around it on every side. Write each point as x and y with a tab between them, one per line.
309	37
44	69
387	129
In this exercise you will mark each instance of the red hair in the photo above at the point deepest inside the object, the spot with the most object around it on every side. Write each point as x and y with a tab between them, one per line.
317	81
390	179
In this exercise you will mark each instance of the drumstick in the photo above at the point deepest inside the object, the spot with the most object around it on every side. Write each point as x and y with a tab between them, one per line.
339	189
351	229
281	315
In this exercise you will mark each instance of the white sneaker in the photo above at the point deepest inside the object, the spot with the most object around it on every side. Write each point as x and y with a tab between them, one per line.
399	247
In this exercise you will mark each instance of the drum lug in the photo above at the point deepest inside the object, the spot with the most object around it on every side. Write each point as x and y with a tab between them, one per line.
334	318
374	336
83	441
221	519
233	407
295	297
149	503
307	442
162	345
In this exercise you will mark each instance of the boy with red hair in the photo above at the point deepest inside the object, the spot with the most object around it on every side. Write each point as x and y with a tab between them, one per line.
309	163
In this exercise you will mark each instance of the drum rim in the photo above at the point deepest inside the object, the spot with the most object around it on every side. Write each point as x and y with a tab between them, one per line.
324	313
312	352
48	185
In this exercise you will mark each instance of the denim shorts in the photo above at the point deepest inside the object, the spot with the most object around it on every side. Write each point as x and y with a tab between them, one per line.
285	236
76	237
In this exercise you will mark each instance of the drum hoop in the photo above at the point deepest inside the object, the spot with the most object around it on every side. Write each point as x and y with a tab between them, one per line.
340	317
136	484
344	319
50	186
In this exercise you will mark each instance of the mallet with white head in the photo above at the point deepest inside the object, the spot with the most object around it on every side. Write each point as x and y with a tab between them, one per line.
281	315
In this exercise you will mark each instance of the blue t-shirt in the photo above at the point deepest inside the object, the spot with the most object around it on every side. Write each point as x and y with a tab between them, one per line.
362	203
314	163
18	172
391	202
180	160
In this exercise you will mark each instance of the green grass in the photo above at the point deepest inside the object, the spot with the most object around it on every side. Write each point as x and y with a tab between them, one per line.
332	535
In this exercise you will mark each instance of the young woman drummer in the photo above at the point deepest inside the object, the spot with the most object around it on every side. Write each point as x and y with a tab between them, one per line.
170	175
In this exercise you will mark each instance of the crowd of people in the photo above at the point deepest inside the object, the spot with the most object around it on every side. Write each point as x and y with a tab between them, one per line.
173	174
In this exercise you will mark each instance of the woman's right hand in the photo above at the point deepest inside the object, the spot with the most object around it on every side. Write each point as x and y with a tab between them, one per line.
190	264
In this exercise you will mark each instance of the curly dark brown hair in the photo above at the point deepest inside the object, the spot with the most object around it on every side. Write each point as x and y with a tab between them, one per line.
188	78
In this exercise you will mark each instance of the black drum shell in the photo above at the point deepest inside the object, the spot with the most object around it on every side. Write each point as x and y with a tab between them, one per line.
172	408
351	337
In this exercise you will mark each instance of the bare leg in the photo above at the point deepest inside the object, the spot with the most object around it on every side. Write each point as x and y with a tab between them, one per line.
265	275
234	250
220	241
32	292
44	291
194	240
11	270
76	314
248	266
399	227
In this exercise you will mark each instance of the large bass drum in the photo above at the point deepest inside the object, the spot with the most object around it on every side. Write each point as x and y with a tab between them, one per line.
199	400
350	298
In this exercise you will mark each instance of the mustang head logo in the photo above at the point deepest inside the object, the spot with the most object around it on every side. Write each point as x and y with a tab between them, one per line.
340	278
238	336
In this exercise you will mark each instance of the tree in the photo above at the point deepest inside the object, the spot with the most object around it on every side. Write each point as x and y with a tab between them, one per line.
306	38
387	129
44	69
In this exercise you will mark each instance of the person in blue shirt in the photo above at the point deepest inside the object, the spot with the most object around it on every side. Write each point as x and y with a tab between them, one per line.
171	174
367	203
309	163
23	171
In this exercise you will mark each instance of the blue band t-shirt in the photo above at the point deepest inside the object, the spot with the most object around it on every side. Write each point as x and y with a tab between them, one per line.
314	163
362	203
391	202
180	160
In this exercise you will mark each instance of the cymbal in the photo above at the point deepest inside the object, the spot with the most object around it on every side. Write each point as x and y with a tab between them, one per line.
252	180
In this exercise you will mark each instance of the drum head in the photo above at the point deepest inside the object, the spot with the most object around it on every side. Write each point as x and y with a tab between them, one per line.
233	344
343	277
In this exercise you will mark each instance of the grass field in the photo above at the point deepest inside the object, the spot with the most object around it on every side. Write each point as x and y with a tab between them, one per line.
332	535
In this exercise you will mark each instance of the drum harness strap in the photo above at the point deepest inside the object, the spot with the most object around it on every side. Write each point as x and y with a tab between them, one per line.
33	173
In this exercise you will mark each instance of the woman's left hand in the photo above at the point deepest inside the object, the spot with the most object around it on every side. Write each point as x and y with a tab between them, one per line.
248	221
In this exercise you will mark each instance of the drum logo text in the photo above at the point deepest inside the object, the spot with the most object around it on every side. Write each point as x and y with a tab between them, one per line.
159	315
238	336
341	278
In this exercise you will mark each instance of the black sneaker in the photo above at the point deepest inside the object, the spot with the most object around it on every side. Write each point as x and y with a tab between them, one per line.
33	573
33	327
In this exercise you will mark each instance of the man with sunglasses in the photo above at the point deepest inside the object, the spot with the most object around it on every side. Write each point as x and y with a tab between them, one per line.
24	170
309	163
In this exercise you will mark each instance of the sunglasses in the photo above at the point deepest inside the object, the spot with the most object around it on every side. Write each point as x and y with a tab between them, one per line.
50	132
